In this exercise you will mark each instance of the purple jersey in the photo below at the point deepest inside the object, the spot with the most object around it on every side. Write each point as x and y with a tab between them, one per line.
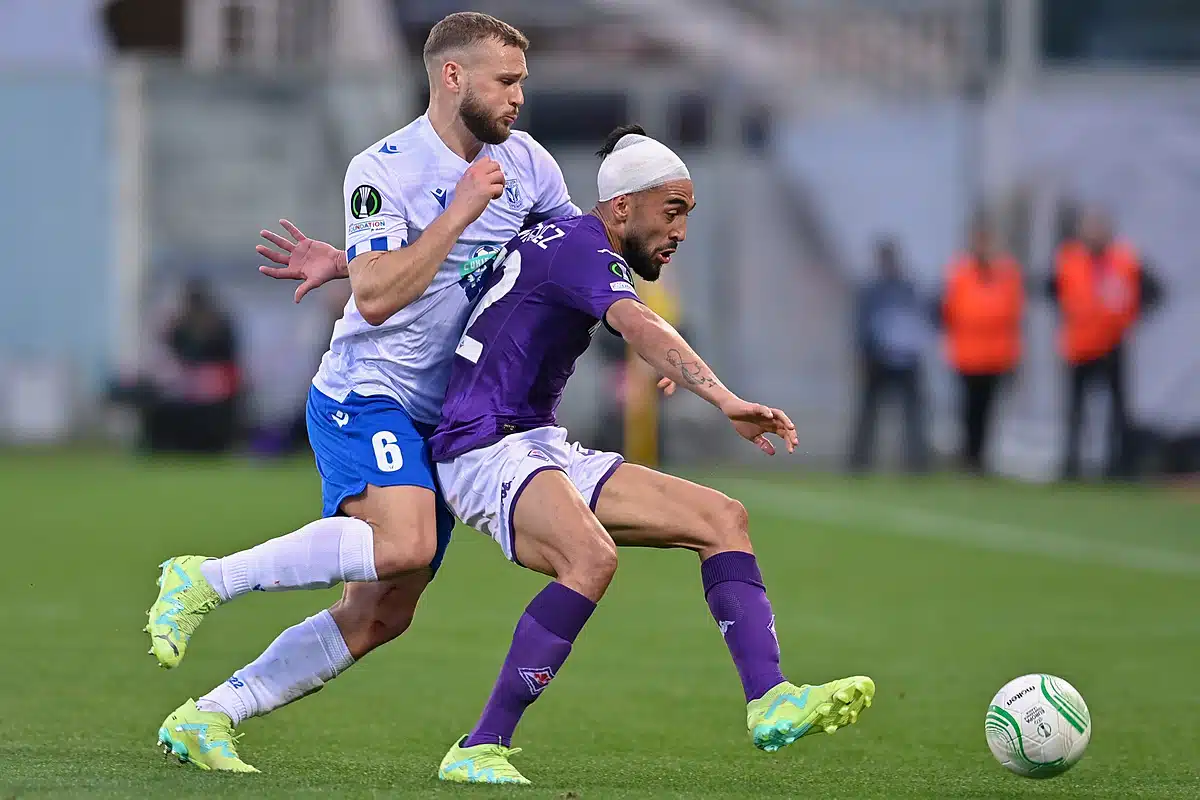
550	289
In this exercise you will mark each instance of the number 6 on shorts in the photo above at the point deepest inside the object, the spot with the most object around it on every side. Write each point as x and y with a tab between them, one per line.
387	452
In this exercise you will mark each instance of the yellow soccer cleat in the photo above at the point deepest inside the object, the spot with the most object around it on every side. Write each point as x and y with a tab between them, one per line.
788	712
202	738
184	597
483	763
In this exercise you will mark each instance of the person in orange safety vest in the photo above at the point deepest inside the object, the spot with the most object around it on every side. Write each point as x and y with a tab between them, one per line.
981	315
1098	284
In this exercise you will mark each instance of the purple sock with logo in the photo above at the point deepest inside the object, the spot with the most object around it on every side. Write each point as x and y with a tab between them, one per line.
540	646
734	589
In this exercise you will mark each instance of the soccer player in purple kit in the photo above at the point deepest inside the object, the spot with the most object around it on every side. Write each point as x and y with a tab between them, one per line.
557	508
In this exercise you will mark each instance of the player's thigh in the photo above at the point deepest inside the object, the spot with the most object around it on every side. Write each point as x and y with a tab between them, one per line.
642	507
375	465
406	522
371	614
555	533
516	491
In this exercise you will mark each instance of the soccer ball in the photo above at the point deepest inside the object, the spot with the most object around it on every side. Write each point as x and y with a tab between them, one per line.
1038	726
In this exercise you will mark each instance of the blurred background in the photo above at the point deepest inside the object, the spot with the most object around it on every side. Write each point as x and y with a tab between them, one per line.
939	233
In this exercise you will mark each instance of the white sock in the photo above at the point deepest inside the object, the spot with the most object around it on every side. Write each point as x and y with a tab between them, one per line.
300	661
319	555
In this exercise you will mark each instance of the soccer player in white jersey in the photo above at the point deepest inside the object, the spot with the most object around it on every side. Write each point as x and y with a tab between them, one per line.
426	209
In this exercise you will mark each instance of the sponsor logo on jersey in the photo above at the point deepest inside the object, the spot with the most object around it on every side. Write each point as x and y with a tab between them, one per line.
341	418
365	201
476	269
366	225
539	454
621	286
389	149
440	195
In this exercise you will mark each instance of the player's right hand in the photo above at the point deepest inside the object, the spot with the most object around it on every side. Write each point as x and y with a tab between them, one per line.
482	183
308	260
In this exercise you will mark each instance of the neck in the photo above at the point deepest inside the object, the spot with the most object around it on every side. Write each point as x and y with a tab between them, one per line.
609	229
449	127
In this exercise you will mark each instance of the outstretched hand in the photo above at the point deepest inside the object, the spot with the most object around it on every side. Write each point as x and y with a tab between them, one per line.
311	261
753	422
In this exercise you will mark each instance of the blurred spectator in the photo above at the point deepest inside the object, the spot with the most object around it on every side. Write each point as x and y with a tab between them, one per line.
890	332
188	398
981	314
1100	286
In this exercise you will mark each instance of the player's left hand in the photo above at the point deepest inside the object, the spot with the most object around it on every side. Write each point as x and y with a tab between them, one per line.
753	422
667	386
310	261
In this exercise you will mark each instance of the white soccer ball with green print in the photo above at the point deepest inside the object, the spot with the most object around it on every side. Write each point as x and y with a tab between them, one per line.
1038	726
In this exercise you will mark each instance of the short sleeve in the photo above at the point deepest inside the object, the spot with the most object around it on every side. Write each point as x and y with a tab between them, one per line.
375	217
552	198
591	284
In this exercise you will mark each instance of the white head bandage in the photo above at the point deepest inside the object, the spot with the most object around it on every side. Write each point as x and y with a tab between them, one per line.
638	163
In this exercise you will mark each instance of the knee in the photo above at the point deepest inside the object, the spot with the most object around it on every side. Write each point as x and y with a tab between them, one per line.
728	524
591	566
367	623
403	548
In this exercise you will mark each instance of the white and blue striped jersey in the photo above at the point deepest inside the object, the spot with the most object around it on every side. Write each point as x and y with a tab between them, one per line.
394	190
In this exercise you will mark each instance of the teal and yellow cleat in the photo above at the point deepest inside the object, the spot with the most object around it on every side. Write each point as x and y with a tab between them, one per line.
788	712
483	763
202	738
184	597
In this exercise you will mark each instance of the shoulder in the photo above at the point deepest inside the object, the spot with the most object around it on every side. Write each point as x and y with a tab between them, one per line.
529	154
1125	252
399	154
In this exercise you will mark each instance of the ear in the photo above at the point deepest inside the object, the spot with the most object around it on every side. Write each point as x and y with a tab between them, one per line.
620	207
453	76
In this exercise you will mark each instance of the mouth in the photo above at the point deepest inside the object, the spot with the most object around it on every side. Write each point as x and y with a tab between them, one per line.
509	119
664	256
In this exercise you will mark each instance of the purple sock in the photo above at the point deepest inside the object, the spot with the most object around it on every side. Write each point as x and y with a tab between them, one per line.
540	645
738	601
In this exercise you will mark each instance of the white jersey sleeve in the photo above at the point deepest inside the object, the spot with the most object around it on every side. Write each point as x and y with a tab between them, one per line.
551	197
375	215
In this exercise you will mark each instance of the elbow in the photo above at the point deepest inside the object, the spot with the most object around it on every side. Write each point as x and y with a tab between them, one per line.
373	312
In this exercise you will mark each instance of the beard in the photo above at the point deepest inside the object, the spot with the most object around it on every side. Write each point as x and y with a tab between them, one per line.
641	259
479	121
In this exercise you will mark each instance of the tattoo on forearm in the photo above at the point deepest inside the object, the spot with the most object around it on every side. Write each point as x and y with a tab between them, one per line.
692	371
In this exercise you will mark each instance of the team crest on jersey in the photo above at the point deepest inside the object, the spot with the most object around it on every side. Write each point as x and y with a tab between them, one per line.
512	192
537	678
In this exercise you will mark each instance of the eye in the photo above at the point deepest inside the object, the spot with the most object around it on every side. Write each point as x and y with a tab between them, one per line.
672	214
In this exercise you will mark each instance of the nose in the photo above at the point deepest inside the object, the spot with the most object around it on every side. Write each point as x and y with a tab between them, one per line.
518	98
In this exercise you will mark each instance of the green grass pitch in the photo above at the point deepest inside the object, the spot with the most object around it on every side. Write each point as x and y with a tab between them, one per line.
940	589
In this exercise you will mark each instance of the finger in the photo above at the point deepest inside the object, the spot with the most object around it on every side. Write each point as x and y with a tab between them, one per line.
277	240
764	412
293	230
282	273
304	289
273	255
764	444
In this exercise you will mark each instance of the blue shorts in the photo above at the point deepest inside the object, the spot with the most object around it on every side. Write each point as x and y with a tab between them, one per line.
371	440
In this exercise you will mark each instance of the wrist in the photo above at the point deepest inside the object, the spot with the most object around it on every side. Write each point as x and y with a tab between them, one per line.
727	401
341	264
